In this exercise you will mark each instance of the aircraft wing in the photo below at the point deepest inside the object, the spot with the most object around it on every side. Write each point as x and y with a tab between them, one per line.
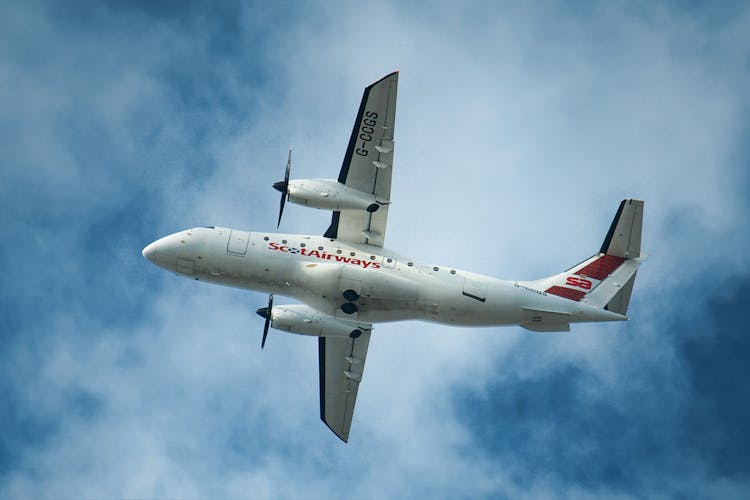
368	164
341	363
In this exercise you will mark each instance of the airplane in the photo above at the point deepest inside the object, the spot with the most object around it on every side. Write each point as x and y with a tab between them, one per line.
346	280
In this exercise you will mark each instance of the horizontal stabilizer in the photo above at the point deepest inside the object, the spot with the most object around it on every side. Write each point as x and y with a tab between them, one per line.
546	320
547	312
546	327
621	300
613	294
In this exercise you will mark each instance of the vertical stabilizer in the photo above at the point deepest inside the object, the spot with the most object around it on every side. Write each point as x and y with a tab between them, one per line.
606	279
624	235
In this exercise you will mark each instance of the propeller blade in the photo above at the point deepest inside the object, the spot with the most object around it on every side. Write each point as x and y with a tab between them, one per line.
281	208
265	334
283	186
288	166
265	312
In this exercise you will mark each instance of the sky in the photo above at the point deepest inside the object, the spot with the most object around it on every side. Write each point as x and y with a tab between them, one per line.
520	127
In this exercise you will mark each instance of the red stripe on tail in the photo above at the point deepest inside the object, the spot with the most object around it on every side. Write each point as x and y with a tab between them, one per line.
601	267
567	293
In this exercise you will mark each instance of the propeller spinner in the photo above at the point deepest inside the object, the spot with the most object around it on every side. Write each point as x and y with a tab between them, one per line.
283	186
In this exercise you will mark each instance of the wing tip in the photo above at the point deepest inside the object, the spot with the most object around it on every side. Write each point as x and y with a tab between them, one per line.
344	438
392	73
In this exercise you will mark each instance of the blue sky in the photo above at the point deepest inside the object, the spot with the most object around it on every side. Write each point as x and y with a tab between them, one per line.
519	130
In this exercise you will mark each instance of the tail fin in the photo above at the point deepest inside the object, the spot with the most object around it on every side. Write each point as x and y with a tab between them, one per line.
606	279
624	236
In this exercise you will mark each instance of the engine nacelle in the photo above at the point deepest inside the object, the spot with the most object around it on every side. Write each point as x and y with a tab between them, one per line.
303	320
329	194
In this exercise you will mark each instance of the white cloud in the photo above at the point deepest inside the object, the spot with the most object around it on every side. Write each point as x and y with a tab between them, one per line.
518	133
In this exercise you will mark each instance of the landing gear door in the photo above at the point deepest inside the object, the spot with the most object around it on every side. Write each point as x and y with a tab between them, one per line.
237	244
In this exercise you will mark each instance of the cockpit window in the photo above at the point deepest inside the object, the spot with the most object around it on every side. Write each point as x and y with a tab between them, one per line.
209	227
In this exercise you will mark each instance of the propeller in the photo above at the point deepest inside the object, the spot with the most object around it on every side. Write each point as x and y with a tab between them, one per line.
265	312
283	186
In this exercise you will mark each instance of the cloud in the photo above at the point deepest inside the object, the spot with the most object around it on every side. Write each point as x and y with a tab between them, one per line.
664	417
519	130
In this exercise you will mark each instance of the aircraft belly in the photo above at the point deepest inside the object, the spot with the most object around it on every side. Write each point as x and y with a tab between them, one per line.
383	311
378	295
386	296
448	303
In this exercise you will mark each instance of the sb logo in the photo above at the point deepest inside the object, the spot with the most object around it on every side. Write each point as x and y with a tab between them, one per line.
578	282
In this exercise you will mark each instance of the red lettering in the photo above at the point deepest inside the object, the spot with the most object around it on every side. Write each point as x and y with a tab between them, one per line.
578	282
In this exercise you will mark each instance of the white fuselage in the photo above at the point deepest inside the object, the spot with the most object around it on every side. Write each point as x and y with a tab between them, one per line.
318	271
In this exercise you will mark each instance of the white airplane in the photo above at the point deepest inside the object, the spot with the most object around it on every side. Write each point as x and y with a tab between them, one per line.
347	281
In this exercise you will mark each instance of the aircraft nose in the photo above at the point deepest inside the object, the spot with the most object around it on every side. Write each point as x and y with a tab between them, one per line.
150	251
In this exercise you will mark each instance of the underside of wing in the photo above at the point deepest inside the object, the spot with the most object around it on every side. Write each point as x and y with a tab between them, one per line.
341	364
368	164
